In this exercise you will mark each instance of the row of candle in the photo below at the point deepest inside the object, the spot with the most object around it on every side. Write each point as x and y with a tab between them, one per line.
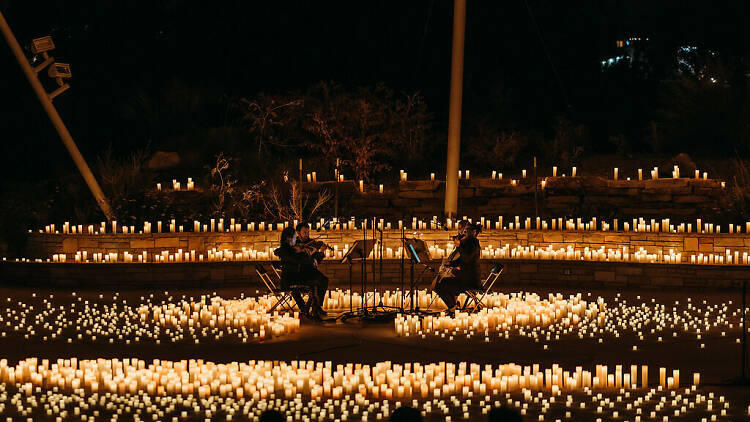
504	311
519	252
322	380
522	314
556	316
466	174
247	313
26	401
190	320
652	225
190	185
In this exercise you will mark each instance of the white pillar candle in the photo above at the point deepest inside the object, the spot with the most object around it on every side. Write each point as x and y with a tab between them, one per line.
554	171
574	172
616	173
362	186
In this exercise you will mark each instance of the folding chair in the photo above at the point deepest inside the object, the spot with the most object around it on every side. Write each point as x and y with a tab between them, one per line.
474	297
283	294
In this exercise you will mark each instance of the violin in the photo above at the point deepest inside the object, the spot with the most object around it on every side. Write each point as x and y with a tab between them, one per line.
311	247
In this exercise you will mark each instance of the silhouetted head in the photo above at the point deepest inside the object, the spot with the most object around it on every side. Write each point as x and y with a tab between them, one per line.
406	414
504	414
272	415
288	237
303	231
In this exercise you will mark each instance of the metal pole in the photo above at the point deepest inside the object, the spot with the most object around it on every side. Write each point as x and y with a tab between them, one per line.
454	118
536	193
744	330
57	122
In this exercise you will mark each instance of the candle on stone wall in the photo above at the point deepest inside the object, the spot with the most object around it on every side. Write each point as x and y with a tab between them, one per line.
468	174
196	226
401	175
500	176
640	174
341	177
459	174
315	176
544	184
574	172
616	173
362	186
158	186
309	178
494	174
381	188
723	185
432	176
523	173
705	175
190	184
554	171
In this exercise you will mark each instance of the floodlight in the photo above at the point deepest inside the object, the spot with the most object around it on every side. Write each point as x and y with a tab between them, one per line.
42	45
59	70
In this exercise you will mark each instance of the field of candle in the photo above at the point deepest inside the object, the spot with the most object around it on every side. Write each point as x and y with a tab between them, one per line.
106	389
688	332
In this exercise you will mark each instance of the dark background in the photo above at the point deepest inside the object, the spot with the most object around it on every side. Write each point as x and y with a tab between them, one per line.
239	48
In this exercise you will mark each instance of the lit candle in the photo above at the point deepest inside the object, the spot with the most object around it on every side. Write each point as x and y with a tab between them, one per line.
432	176
640	174
554	171
574	172
615	173
381	188
362	186
315	177
523	173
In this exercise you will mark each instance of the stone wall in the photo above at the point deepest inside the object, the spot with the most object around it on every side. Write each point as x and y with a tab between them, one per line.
517	273
562	196
43	246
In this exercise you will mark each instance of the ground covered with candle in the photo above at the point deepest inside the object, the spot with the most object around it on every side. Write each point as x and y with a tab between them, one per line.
307	390
549	328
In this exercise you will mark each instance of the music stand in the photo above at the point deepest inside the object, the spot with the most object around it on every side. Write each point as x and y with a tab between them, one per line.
418	254
360	249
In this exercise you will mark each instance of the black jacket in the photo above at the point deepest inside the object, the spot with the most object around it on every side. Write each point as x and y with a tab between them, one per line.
468	259
292	264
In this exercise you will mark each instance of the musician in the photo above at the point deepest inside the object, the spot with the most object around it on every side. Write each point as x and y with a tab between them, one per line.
465	267
317	248
298	268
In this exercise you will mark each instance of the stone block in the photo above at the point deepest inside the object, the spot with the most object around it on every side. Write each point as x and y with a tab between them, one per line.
167	242
604	276
141	243
690	244
727	242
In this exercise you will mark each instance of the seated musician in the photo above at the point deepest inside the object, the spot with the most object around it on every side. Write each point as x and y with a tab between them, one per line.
465	267
298	268
317	248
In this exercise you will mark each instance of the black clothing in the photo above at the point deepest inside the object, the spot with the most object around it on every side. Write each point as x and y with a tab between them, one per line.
298	269
466	275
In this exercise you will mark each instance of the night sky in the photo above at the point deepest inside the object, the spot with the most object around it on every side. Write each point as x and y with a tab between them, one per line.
118	49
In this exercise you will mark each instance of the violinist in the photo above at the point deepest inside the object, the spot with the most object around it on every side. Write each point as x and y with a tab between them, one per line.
316	248
465	266
298	268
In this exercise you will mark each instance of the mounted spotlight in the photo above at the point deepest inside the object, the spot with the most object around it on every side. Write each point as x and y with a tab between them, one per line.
59	71
42	45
